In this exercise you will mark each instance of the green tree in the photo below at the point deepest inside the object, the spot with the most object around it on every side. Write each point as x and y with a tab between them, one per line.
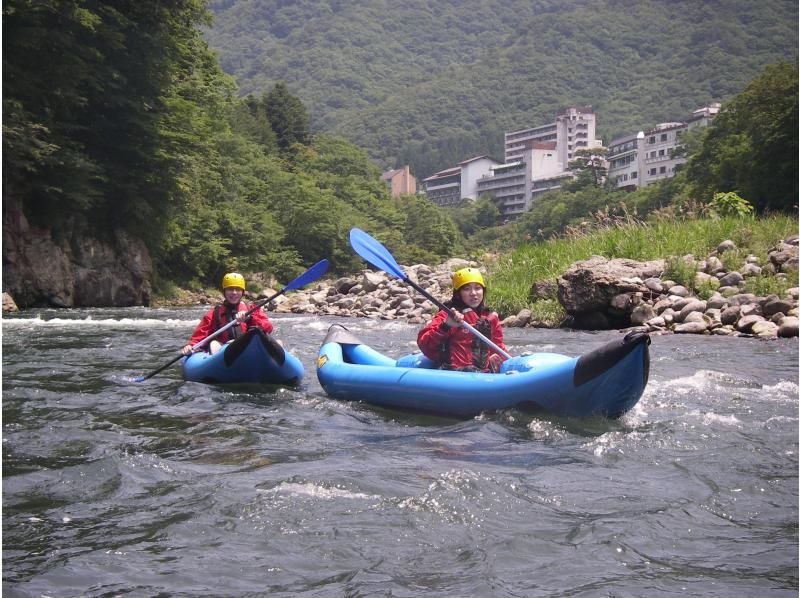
752	146
287	115
589	168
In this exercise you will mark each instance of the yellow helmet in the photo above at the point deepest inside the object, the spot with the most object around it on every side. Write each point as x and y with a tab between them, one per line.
466	275
232	279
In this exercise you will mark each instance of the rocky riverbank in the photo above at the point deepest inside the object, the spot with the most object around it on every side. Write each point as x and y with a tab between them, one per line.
597	293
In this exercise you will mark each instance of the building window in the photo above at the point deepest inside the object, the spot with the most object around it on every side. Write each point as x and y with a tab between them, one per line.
633	175
663	136
653	171
660	152
652	139
653	154
662	170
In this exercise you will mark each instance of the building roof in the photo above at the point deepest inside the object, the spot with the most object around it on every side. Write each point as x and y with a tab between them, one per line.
390	174
443	173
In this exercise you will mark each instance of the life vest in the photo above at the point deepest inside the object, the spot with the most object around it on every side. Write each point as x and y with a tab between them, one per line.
479	349
225	313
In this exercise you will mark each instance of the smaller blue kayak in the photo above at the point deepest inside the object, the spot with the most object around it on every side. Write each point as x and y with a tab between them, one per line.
607	381
253	358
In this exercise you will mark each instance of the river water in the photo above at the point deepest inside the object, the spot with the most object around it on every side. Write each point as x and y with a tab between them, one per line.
163	488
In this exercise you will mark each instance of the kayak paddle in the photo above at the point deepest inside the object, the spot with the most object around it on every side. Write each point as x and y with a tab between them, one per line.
377	255
310	275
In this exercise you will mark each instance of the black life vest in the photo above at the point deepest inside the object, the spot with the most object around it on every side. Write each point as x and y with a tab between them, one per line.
225	313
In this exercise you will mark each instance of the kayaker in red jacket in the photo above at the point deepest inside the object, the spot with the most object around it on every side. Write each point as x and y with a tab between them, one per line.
447	342
231	307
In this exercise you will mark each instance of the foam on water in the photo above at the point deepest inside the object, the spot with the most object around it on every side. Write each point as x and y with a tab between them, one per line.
122	323
316	491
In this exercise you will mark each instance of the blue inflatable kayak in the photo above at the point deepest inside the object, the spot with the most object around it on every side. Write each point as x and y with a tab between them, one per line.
607	381
254	358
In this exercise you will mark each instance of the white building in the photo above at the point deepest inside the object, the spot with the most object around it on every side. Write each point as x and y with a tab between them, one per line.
575	128
513	186
639	159
448	187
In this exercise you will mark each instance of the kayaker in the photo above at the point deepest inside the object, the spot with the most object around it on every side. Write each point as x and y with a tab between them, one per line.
447	342
231	307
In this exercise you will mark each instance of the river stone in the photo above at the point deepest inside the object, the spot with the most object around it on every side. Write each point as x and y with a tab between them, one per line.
370	281
764	329
343	285
544	289
698	327
714	265
726	245
716	301
662	304
642	313
788	327
589	285
692	306
751	270
8	303
695	316
654	284
742	299
745	323
731	279
679	290
656	322
730	314
773	305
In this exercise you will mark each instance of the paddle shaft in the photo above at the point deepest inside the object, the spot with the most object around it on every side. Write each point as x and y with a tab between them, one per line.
199	344
441	305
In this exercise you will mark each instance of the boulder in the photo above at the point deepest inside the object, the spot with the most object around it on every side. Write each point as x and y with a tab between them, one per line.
589	286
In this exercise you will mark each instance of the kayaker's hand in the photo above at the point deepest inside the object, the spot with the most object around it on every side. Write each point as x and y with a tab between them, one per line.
240	315
455	319
187	349
495	361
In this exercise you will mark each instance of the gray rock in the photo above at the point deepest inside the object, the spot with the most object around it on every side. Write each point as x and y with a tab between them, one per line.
8	303
788	327
765	329
589	285
679	290
717	301
730	315
773	305
698	327
745	324
642	313
726	245
654	285
693	306
731	279
751	270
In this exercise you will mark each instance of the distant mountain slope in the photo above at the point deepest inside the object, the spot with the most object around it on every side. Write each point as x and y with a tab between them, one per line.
433	83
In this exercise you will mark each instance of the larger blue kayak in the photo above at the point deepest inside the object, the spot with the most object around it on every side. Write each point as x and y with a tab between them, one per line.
607	381
253	358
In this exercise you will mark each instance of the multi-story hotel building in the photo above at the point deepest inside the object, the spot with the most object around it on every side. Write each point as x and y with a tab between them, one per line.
513	186
448	187
641	158
574	129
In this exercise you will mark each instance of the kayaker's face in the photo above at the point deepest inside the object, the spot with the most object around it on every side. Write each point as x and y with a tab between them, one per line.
471	294
233	295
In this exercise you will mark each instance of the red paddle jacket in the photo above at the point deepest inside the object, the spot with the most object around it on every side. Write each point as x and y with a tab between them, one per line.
456	347
216	318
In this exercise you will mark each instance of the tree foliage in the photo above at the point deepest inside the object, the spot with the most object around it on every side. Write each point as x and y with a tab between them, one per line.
752	148
431	85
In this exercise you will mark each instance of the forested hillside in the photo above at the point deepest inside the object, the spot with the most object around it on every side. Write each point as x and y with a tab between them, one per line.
430	84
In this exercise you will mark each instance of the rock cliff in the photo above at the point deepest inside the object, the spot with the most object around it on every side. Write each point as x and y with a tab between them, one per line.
72	270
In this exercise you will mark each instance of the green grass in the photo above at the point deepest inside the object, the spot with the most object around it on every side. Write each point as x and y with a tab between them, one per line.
511	277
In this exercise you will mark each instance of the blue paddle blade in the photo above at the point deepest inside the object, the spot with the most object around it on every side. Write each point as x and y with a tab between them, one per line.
310	275
374	253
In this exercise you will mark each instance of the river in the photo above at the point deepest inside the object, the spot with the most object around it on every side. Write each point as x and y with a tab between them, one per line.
114	487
